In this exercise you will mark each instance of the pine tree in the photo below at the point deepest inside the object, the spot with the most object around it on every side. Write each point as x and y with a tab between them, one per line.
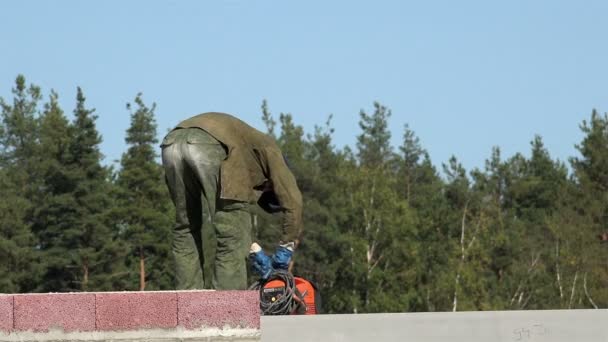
100	250
421	188
20	131
378	232
581	254
144	206
373	143
321	243
268	119
460	236
315	163
53	219
18	252
536	187
19	182
411	154
481	237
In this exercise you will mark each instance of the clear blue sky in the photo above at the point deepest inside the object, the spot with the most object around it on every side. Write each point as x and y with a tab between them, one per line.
465	75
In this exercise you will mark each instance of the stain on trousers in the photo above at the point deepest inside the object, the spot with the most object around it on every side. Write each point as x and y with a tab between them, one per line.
211	236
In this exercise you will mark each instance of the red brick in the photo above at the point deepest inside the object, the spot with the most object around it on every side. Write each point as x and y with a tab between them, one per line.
6	313
197	309
67	311
118	311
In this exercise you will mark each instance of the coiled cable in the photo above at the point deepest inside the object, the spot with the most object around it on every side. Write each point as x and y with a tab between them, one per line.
286	304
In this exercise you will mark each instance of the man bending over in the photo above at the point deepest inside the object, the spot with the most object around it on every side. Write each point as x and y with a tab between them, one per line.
216	166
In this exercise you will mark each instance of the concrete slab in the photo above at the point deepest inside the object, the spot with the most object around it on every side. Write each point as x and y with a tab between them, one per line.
147	335
221	309
131	316
6	313
532	326
65	311
118	311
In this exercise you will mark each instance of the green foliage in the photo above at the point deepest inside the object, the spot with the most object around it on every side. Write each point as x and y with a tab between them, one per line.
17	244
384	231
19	184
99	251
53	215
143	206
373	144
20	127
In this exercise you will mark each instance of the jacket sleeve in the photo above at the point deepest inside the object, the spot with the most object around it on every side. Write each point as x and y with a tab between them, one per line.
287	192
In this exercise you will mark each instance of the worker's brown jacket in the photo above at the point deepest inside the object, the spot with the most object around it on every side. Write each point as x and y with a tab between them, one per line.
253	159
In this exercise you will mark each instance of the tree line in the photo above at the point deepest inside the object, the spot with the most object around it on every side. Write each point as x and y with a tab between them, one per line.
385	230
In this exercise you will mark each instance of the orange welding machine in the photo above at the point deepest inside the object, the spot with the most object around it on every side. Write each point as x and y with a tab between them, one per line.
284	294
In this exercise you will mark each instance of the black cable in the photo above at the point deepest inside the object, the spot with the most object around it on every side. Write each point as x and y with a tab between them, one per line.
285	304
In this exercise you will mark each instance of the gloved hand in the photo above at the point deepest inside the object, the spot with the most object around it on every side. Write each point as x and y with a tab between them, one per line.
260	262
282	256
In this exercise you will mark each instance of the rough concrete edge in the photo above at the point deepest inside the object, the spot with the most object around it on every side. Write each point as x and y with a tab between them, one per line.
13	331
54	324
101	292
11	323
235	324
134	293
142	334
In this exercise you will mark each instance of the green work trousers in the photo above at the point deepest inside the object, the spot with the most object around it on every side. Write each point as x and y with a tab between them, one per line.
211	237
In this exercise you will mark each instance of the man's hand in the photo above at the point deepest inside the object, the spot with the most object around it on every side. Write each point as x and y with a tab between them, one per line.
260	262
282	256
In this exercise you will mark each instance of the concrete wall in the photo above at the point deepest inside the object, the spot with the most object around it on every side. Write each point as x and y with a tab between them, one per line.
234	316
524	326
131	316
